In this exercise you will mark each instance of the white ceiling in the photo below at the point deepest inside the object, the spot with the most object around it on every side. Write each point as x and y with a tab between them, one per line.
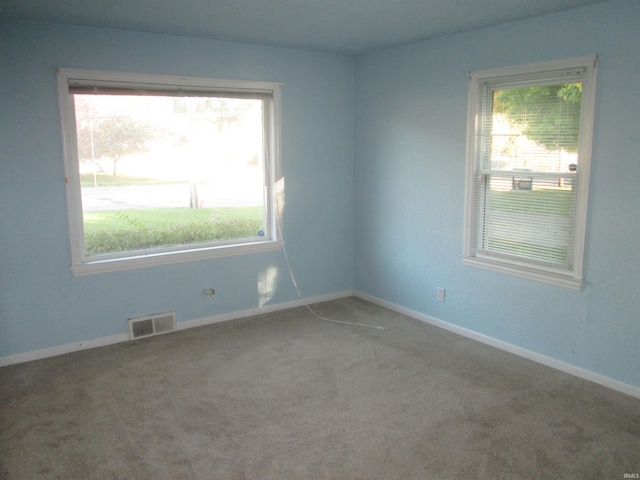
345	27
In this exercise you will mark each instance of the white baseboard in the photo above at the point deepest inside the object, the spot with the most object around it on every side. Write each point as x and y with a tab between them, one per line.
62	349
507	347
225	317
124	337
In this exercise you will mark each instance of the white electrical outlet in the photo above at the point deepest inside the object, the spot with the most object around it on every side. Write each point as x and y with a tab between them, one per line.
209	292
440	293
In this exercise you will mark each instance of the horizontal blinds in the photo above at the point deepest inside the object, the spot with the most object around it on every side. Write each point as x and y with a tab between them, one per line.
77	81
164	91
535	224
526	169
529	79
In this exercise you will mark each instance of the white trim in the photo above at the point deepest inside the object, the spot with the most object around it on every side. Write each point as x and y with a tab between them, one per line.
124	337
63	349
167	258
151	81
225	317
564	367
541	275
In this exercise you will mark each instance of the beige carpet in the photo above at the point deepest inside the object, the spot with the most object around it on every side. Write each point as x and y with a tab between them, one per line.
288	396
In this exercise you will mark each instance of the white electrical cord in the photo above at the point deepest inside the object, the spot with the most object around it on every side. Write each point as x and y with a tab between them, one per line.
278	211
295	284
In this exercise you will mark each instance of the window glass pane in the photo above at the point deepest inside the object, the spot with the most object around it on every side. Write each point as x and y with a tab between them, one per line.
527	186
164	171
536	128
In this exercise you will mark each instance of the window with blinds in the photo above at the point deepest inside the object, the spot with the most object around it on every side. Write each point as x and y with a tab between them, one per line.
529	148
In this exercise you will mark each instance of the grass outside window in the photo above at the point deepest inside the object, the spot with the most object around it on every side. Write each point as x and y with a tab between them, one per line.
123	230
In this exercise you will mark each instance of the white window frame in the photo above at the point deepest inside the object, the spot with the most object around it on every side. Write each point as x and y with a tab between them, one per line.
81	264
530	75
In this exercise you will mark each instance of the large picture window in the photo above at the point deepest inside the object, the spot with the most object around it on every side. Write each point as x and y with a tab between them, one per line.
528	162
163	169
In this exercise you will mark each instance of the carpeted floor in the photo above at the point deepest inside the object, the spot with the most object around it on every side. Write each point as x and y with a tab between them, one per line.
289	396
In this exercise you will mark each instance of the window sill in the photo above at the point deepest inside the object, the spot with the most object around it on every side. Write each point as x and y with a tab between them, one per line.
92	267
531	273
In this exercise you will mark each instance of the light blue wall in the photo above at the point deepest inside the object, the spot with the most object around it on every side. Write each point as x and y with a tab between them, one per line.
410	117
411	110
41	303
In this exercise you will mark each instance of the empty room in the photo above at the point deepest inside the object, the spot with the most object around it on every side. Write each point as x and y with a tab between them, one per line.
319	239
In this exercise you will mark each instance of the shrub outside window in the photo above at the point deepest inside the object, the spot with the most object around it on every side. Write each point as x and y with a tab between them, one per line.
162	169
528	162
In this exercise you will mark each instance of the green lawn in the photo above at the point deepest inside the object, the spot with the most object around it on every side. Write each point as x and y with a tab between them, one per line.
160	218
541	202
122	230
